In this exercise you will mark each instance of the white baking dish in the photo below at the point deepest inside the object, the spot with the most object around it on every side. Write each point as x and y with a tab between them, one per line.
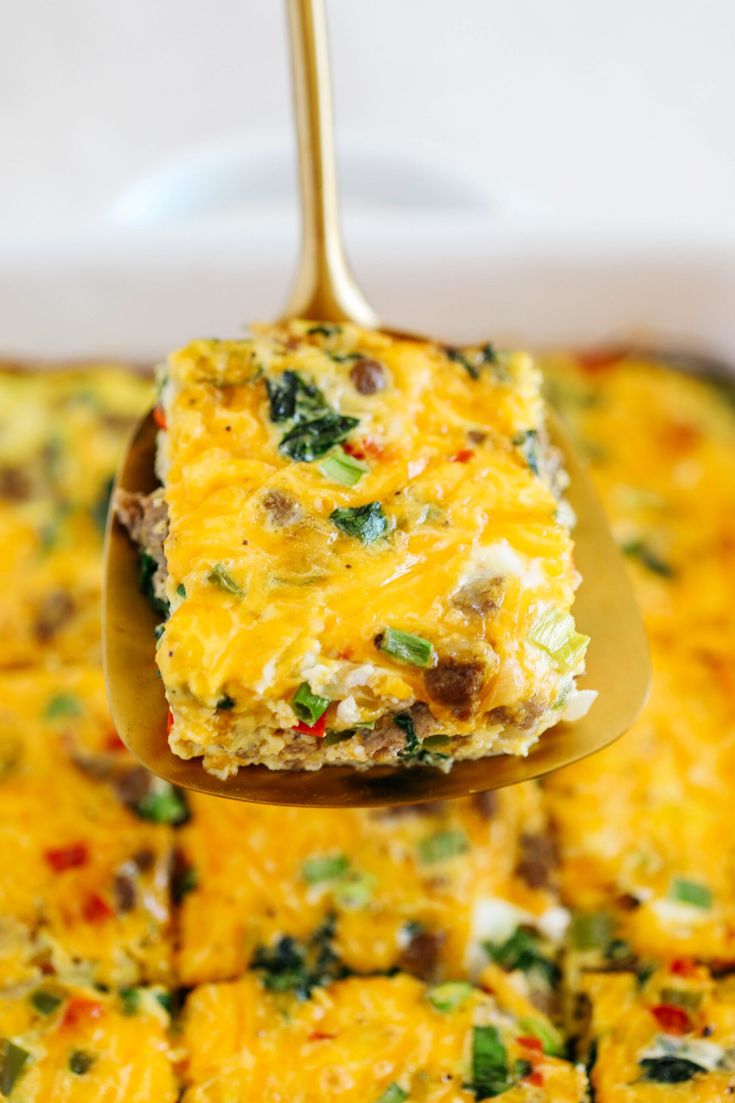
176	258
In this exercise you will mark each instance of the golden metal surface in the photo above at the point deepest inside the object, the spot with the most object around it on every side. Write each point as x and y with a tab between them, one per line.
617	665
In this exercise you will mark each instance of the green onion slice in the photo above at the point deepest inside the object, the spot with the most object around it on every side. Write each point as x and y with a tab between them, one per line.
220	576
690	892
327	867
450	996
343	468
405	646
443	845
13	1060
308	706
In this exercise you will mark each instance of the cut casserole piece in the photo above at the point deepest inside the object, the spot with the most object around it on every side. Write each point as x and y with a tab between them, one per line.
69	1041
383	1039
368	559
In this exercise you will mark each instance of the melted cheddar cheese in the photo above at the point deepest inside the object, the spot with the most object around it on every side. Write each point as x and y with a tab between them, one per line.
84	882
60	436
76	1043
383	1038
643	826
671	1039
332	491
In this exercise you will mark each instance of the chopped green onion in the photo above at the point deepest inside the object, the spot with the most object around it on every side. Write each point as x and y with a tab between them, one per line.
669	1069
450	996
181	590
324	329
81	1062
332	737
443	845
489	1062
551	1040
308	706
163	805
554	632
682	997
220	576
354	890
690	892
166	1001
405	646
328	867
636	549
368	523
158	632
394	1093
46	1001
63	704
343	468
225	703
591	930
13	1060
130	1000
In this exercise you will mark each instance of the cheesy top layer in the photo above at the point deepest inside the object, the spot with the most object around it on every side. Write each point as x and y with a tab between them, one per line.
280	574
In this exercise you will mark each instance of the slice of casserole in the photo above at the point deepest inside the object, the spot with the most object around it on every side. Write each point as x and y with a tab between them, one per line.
367	558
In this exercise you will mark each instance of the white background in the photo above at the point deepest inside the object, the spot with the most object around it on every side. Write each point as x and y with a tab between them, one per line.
597	111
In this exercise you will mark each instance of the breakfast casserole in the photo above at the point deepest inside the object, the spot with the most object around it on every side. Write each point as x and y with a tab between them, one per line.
670	1035
61	431
366	554
497	946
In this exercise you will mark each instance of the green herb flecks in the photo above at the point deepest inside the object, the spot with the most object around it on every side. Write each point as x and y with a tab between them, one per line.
489	1063
181	590
306	441
682	997
63	704
225	703
522	951
290	396
554	632
394	1093
80	1061
669	1069
473	360
689	892
46	1001
220	576
101	507
183	881
343	468
13	1059
130	1000
309	707
450	996
637	549
442	845
326	867
147	568
527	444
298	967
406	647
367	523
551	1040
163	804
591	930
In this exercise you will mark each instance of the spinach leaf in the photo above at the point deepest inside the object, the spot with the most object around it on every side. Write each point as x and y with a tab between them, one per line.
669	1069
368	523
308	440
